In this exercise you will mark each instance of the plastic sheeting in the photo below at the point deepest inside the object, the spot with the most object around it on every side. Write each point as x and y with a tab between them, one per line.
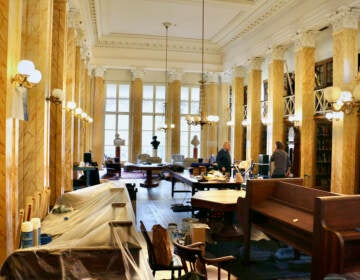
96	239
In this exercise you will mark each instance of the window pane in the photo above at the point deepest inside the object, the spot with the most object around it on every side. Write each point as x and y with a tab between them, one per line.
184	107
147	123
110	105
146	142
184	93
110	121
123	123
124	105
148	92
195	94
147	106
160	106
109	151
124	91
160	92
109	137
110	90
194	107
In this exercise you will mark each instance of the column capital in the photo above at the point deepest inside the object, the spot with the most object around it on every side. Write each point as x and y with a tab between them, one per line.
99	71
211	77
345	19
175	75
305	39
91	69
275	53
225	77
73	18
255	63
137	74
239	71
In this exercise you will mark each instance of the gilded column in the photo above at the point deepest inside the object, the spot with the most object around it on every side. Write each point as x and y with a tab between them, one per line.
304	103
238	113
91	107
174	118
276	96
99	115
136	113
345	134
70	97
83	101
57	116
253	136
223	110
212	110
34	133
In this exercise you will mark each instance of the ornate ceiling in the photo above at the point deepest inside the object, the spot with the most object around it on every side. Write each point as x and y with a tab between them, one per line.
130	34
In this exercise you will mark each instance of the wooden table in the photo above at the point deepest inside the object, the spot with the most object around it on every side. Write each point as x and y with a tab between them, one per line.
195	184
149	168
221	200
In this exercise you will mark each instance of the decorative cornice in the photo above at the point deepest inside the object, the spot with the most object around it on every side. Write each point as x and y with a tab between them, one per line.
345	19
175	75
211	77
305	40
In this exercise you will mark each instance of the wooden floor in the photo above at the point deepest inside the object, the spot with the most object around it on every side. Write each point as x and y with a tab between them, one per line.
153	205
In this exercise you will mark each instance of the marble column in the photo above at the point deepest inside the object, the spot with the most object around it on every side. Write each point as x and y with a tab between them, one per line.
136	113
34	133
276	97
57	115
253	136
345	133
77	119
238	113
304	103
99	115
212	109
223	134
70	97
10	39
175	85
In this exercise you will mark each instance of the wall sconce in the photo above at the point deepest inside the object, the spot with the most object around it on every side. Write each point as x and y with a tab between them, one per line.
334	115
27	75
78	111
343	100
265	120
56	97
70	106
295	120
245	122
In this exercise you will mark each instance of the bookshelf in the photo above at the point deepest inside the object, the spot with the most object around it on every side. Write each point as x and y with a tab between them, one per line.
323	155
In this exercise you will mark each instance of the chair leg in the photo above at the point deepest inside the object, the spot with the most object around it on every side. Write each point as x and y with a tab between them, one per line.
172	275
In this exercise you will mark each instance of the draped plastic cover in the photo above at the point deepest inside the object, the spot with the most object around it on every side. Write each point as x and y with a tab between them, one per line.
97	239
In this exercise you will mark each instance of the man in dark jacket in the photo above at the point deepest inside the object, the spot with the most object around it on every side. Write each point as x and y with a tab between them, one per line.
223	158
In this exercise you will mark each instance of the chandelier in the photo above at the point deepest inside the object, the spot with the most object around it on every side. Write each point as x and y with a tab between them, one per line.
165	127
202	119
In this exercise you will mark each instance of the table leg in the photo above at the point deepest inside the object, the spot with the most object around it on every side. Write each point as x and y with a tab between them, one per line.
148	181
229	230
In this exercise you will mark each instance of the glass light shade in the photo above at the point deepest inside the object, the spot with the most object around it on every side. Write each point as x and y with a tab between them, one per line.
84	115
245	122
197	118
35	77
58	93
90	120
71	105
332	94
26	67
229	123
78	111
329	115
213	118
356	93
188	117
346	96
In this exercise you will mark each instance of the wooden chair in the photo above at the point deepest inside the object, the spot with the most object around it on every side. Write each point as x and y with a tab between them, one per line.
194	261
175	265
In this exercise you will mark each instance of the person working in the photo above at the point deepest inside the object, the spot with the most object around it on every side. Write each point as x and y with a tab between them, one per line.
223	158
281	161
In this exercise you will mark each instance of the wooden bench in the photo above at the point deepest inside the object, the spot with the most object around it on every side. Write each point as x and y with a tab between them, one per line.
336	235
281	208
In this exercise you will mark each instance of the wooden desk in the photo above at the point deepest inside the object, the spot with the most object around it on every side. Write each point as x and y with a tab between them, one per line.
186	178
149	168
221	200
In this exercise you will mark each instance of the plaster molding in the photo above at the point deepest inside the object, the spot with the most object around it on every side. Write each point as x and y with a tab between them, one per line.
137	74
99	72
211	77
345	19
175	75
239	71
73	18
255	63
226	77
305	40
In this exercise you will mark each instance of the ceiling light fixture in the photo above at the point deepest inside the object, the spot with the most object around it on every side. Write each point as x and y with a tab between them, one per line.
203	118
165	127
